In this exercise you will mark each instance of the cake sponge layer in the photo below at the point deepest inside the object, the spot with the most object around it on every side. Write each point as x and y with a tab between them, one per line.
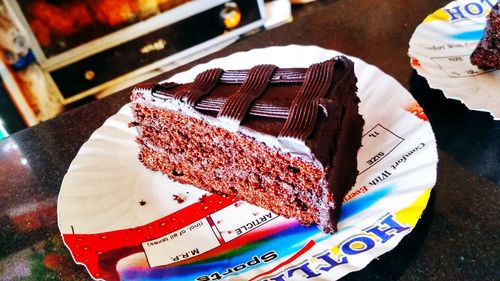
193	152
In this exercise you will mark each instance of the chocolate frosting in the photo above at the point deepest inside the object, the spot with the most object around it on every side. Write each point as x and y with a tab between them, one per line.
298	106
237	105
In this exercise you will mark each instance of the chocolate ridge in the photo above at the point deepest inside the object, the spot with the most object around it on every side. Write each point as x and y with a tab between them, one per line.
304	110
203	84
237	105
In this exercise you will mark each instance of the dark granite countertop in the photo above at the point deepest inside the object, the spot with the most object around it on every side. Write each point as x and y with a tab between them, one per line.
457	237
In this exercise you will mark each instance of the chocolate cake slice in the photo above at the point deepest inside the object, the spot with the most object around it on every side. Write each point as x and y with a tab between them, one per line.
285	139
487	53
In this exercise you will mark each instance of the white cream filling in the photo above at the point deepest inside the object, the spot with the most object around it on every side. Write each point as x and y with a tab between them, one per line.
296	148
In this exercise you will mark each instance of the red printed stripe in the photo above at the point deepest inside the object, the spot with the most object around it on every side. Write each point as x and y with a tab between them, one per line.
306	248
100	252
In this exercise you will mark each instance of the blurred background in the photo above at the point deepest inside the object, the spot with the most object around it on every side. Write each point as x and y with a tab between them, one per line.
56	55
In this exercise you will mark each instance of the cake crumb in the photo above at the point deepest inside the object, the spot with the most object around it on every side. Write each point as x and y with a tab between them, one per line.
202	198
179	198
293	169
133	124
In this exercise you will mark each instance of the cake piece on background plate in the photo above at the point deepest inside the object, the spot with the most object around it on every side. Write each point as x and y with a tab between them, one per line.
487	53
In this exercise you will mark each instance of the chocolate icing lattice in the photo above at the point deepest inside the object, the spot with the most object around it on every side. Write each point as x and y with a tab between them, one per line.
304	110
203	84
300	117
237	105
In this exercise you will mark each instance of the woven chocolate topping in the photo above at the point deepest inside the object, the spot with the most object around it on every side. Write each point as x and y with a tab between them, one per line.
263	108
281	75
304	110
203	84
237	105
314	96
146	88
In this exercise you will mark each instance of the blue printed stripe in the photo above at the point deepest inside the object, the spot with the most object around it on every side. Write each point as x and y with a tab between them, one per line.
469	35
360	203
284	243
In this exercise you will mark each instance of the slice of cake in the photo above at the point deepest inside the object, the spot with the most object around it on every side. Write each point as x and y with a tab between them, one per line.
282	139
487	53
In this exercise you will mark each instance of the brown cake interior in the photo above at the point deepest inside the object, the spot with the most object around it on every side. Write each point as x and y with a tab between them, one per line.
218	161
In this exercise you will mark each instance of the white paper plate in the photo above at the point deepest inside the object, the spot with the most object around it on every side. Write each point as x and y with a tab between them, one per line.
440	49
117	216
